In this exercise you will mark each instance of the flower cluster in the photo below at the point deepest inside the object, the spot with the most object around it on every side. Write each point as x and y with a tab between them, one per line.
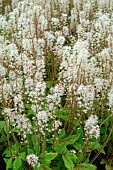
86	96
32	160
42	120
18	121
54	98
91	128
110	98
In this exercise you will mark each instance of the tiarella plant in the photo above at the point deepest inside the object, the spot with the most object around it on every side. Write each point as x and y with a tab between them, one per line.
56	88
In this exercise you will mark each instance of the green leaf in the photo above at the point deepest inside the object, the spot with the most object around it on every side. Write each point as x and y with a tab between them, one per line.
77	146
8	163
64	117
72	156
62	134
43	154
85	166
3	138
14	148
38	168
2	124
34	139
37	148
103	161
27	106
96	146
102	151
6	153
29	151
30	113
51	156
46	167
47	157
22	156
108	167
72	139
80	157
5	129
48	84
59	164
61	148
68	162
17	163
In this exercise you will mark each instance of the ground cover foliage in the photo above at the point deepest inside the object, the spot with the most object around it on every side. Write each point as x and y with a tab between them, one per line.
56	84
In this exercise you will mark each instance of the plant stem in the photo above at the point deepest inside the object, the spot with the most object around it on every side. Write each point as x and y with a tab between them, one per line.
96	156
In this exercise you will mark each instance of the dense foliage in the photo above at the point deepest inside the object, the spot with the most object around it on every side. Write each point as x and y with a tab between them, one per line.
56	88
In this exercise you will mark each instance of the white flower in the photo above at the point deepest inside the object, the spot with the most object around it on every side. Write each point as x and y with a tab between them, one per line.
73	151
86	95
60	41
91	128
65	30
110	97
42	117
57	124
18	103
40	88
95	131
2	71
55	21
7	91
32	160
58	89
92	120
